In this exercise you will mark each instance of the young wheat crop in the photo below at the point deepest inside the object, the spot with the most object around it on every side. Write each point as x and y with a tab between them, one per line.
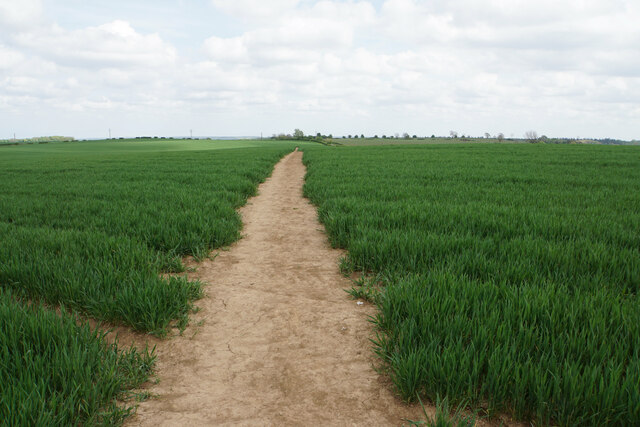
512	272
90	227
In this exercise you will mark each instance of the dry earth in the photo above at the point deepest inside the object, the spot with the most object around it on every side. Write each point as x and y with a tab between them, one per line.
277	341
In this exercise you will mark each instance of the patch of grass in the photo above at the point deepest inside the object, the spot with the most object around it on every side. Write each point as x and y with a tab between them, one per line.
143	396
111	278
444	416
346	268
367	288
54	372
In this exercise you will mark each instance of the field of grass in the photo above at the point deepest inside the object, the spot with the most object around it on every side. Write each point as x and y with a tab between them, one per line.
360	142
92	225
511	272
112	146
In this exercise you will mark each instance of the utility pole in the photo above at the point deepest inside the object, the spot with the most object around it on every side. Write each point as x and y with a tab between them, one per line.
109	133
191	133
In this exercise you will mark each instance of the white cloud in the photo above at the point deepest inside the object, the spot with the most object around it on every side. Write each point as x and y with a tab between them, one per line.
340	66
256	10
10	57
227	50
19	14
298	36
115	43
515	24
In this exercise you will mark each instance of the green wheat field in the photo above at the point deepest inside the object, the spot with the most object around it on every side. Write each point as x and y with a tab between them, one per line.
90	226
506	276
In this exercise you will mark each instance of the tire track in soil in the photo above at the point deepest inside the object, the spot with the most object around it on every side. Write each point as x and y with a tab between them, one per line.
276	341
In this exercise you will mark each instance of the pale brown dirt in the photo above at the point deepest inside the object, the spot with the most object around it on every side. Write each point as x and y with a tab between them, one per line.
277	341
280	342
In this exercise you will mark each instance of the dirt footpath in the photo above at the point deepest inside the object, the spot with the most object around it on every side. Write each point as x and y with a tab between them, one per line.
277	341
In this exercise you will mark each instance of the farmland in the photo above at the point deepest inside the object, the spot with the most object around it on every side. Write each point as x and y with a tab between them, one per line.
91	227
506	276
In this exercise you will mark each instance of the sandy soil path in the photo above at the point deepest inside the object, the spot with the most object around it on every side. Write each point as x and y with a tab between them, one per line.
277	341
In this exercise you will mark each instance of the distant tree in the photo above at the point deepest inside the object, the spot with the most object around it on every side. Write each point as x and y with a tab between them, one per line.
298	134
330	136
362	135
397	135
319	135
487	135
414	136
433	136
501	137
384	136
531	136
375	136
453	134
356	136
349	136
405	135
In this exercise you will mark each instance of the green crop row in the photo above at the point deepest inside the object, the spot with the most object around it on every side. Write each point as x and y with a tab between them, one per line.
512	272
110	278
54	372
94	230
90	227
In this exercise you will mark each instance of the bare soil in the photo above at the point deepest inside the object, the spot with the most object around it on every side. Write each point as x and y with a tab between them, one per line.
277	341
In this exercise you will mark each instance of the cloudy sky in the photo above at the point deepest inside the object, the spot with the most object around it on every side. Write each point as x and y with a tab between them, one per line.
245	67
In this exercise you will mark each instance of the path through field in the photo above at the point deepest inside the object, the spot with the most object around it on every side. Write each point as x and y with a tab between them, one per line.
279	341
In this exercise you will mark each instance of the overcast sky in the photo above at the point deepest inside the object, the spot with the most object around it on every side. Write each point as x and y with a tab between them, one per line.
245	67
